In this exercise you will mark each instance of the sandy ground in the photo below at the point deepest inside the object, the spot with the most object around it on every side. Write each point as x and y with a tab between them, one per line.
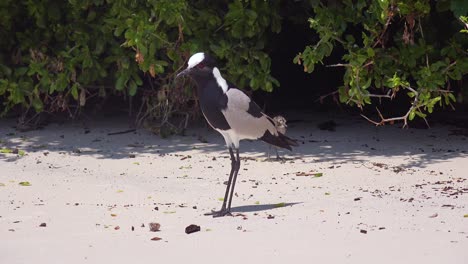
386	195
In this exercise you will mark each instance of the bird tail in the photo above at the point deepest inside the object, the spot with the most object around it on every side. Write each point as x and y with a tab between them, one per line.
280	140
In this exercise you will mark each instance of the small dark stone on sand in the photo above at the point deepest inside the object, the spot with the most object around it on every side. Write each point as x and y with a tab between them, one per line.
156	238
192	229
154	227
194	207
156	208
43	225
133	228
363	231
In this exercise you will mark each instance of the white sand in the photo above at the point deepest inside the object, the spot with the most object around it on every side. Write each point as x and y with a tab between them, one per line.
398	177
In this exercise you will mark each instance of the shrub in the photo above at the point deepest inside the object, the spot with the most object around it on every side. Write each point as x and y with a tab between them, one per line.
393	46
54	55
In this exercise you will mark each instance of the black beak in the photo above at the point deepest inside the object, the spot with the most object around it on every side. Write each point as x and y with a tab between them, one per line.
183	73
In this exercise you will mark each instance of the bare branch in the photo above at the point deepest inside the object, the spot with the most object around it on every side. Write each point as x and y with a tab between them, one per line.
387	95
370	120
464	24
326	95
403	118
450	66
348	65
380	37
338	65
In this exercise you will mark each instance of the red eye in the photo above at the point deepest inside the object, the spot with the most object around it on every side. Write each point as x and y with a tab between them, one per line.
200	65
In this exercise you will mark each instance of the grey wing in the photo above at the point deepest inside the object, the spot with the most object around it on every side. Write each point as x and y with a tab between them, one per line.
245	117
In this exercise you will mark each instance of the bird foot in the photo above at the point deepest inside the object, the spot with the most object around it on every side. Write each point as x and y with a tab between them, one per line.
220	213
280	159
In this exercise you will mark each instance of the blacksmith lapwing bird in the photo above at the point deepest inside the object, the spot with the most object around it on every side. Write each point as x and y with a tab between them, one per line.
280	124
233	114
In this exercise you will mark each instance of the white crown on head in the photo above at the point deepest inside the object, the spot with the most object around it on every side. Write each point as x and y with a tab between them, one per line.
195	59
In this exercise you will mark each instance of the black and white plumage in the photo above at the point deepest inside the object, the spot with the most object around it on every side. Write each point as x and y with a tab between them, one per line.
233	114
281	126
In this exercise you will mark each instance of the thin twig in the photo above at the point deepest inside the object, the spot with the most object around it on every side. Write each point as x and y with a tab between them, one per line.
339	65
326	95
387	23
414	106
387	95
380	96
121	132
463	23
450	66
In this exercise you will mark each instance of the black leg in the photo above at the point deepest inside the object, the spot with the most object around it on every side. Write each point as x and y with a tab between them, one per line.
237	167
277	155
223	210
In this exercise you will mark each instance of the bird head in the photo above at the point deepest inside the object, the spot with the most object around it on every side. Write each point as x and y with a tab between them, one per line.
200	64
280	121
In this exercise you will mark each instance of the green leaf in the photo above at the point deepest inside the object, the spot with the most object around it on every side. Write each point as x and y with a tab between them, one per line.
318	174
437	65
268	87
459	7
25	183
278	205
6	150
420	114
452	97
74	91
37	104
120	83
21	71
132	88
137	79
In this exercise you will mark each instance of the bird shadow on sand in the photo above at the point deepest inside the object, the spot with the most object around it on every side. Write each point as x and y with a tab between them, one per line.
260	207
